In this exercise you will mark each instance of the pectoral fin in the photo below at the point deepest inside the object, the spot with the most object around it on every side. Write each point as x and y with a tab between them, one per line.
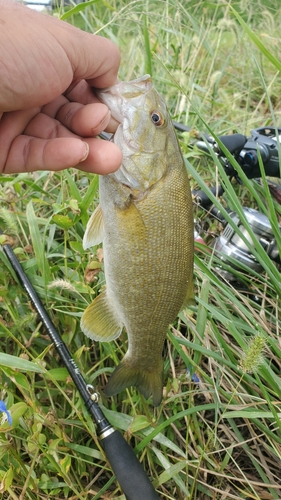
130	222
94	230
99	321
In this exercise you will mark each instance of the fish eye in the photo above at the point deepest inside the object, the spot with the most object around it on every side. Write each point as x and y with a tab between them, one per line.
157	118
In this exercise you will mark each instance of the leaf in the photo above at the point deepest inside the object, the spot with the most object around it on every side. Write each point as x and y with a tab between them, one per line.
73	187
170	469
63	221
78	8
139	422
257	41
77	247
19	363
85	450
7	480
154	433
17	410
51	485
65	464
37	242
90	195
117	419
58	374
21	380
249	414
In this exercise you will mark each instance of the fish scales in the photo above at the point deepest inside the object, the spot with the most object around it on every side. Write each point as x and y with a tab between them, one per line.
147	232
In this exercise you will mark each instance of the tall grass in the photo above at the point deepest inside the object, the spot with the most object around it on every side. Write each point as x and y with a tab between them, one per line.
217	433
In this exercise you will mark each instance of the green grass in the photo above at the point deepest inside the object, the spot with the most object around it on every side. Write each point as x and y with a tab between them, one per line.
219	439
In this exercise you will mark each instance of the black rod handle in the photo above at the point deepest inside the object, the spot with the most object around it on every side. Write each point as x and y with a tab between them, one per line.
202	198
127	468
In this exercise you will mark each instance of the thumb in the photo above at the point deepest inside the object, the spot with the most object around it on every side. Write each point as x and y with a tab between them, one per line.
93	58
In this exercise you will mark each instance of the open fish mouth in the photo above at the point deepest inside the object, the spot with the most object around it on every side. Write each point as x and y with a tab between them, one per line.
124	100
132	105
121	175
131	143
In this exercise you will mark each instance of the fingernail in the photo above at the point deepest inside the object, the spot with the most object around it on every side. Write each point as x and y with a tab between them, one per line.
86	152
112	126
102	124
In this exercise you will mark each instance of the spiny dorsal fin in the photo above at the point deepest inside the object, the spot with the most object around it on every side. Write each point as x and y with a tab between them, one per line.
94	230
99	321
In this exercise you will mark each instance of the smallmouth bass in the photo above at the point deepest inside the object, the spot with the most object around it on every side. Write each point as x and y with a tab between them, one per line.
145	222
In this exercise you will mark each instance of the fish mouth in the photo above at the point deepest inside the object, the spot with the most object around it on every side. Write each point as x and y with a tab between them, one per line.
117	98
129	147
121	174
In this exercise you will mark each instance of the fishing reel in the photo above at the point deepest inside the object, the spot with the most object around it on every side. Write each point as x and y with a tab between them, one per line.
231	248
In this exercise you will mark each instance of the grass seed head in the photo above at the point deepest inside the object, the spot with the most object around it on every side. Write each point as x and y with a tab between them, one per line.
253	356
9	219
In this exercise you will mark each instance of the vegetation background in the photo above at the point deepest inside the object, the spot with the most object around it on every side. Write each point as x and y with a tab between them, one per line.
217	433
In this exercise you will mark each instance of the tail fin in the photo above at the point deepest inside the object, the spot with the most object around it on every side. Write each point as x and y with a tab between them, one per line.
149	381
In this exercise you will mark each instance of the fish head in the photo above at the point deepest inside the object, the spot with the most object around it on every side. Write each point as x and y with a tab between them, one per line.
143	133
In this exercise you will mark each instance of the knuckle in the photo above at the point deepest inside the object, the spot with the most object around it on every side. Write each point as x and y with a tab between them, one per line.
66	114
54	131
69	116
26	154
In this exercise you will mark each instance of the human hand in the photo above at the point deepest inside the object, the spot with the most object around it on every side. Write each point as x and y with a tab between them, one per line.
49	114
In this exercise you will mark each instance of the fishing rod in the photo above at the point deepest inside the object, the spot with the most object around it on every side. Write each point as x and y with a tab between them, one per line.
124	463
263	141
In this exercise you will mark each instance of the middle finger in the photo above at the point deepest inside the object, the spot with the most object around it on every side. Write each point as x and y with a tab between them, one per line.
45	127
87	121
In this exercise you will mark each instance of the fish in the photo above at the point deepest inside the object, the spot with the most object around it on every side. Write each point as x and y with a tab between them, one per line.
145	222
